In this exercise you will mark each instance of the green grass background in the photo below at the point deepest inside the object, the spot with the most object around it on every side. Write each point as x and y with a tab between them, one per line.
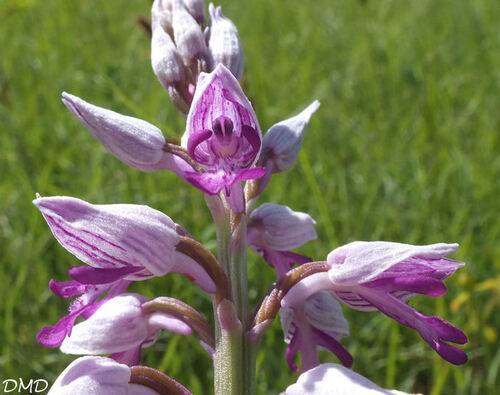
405	147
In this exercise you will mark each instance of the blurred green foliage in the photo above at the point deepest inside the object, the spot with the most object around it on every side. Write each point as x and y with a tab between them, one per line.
405	147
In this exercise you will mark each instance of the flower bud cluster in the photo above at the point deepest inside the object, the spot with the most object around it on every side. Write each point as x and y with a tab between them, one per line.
183	45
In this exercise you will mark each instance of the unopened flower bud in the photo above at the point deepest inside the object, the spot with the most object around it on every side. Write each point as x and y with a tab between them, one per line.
279	227
166	61
282	142
135	142
188	35
224	43
197	9
161	15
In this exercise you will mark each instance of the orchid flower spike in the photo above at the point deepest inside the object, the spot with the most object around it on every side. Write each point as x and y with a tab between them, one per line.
223	136
330	378
274	230
120	243
104	376
121	327
318	323
382	276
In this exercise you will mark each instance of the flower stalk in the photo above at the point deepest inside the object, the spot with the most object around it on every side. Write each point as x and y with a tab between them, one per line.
234	353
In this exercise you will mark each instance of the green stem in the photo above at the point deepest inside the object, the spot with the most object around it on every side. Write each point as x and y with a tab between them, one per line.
234	352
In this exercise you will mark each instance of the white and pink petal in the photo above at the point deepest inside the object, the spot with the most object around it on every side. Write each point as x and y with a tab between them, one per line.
112	236
363	261
330	378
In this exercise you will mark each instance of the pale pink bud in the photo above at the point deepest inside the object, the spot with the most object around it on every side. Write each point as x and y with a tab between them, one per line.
197	9
282	142
135	142
224	43
188	35
161	15
279	227
166	61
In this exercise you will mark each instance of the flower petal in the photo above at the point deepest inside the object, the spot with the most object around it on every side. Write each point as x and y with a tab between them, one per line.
413	284
90	275
169	323
363	261
118	325
209	182
334	346
324	378
324	313
53	336
112	236
194	272
130	357
165	60
281	261
434	330
69	289
197	9
291	351
96	376
306	288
